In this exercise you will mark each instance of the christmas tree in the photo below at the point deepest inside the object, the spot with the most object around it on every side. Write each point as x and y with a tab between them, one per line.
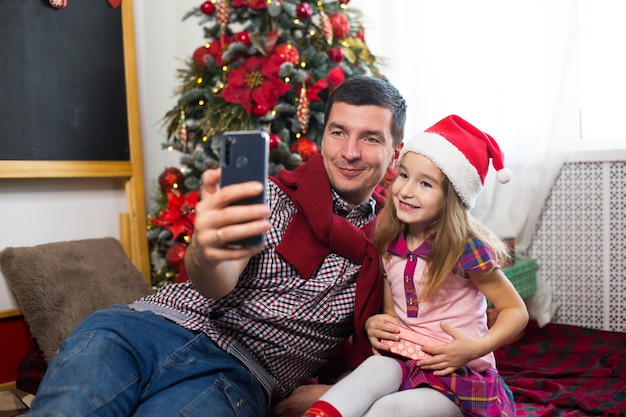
265	64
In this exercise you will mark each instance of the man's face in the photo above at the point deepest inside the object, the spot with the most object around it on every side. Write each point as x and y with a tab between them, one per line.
357	147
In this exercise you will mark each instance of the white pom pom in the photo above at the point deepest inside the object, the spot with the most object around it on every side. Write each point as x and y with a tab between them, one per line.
504	175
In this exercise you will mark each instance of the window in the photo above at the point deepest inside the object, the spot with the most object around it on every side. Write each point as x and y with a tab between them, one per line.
603	70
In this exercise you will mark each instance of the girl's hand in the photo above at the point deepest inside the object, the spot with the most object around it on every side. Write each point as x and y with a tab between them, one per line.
378	328
453	355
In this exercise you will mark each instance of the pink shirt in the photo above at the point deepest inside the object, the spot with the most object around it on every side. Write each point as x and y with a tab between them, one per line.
459	303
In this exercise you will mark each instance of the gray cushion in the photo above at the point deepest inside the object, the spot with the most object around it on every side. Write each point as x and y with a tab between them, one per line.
58	284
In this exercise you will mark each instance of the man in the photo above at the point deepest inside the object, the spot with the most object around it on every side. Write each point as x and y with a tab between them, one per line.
252	324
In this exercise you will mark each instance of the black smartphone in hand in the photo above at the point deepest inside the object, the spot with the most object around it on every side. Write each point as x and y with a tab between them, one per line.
244	157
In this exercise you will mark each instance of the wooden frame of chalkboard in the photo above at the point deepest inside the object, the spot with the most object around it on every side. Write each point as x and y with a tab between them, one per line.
69	103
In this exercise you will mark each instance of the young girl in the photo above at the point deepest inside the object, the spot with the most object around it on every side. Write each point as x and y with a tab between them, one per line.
441	266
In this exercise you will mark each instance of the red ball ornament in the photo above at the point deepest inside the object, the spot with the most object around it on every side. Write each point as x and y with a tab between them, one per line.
304	147
344	2
336	54
171	178
304	11
340	24
208	8
274	141
243	37
175	256
259	110
200	55
288	52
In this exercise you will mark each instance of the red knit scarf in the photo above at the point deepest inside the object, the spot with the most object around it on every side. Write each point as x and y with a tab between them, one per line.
316	231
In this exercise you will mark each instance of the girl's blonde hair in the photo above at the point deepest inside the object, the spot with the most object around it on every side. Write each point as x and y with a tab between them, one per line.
450	233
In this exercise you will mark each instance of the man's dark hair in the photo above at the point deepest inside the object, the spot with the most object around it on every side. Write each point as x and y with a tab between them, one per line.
371	91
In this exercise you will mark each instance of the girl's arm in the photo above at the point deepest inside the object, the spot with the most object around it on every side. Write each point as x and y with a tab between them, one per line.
512	312
512	318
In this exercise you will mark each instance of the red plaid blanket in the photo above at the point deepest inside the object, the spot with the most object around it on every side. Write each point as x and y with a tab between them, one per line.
566	371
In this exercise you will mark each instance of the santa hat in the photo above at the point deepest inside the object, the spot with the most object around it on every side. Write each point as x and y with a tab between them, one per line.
462	152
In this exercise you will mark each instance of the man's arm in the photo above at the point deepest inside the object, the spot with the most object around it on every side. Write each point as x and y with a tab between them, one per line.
211	264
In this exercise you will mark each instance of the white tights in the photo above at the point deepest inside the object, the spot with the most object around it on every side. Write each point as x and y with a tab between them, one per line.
371	390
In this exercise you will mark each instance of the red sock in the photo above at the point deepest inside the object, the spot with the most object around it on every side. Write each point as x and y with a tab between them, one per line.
322	409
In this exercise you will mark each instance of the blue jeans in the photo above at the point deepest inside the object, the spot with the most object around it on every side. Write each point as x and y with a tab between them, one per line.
122	362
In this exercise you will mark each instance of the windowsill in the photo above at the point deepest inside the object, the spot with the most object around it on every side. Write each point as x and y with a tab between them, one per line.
597	151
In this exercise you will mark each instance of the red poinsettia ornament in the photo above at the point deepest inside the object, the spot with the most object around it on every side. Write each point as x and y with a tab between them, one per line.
256	82
179	214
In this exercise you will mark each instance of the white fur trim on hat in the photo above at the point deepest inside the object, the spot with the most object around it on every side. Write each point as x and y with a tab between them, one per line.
451	161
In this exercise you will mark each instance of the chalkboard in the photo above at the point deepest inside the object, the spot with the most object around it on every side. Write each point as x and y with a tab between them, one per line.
69	105
62	82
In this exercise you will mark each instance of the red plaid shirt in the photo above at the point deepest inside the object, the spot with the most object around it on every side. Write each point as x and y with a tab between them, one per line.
290	325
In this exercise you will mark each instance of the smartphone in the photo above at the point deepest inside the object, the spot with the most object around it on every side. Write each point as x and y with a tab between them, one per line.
244	157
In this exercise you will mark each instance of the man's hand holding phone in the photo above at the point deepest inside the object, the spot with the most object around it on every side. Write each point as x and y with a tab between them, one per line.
216	257
244	158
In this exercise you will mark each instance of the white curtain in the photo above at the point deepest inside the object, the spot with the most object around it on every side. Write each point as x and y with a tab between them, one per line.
510	68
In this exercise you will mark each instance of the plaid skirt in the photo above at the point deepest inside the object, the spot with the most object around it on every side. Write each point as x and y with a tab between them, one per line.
476	393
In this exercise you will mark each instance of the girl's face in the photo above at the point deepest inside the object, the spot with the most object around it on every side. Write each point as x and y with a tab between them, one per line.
417	191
